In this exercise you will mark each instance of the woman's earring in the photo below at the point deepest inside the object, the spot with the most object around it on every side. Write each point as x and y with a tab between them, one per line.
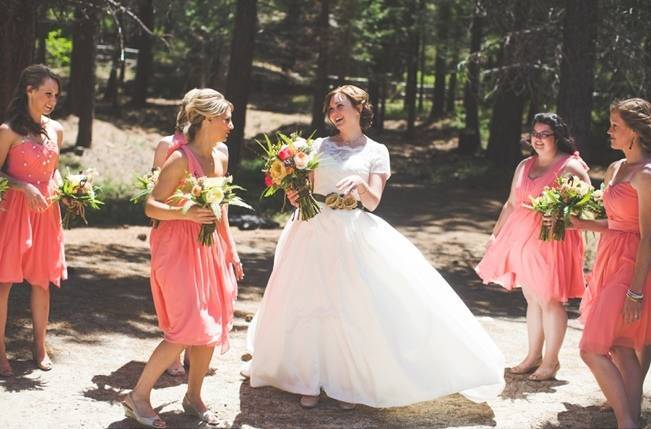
630	146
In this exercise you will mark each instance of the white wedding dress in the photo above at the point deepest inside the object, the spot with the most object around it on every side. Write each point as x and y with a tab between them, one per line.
353	308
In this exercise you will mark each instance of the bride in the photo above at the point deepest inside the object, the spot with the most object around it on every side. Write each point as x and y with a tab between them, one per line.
352	307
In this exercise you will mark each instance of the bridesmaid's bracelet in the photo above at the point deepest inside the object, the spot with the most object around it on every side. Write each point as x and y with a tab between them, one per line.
634	296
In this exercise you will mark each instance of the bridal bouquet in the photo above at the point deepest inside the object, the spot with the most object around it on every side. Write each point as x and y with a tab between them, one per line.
570	197
288	162
208	192
4	185
77	192
145	184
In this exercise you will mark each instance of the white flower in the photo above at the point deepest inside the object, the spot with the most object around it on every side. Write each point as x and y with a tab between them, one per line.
300	144
300	160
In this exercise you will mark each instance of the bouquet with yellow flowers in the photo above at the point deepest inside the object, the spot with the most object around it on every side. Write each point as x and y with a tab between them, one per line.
4	185
145	184
77	192
570	197
208	192
288	162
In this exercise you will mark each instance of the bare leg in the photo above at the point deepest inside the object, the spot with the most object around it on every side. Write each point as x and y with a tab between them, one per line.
535	332
644	356
554	326
40	301
160	359
200	357
629	367
177	368
5	367
612	385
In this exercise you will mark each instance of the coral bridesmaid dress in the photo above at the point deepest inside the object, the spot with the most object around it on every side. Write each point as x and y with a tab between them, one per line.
603	301
192	285
552	269
31	242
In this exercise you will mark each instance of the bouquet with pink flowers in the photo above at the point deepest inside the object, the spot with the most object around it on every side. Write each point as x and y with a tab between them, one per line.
288	163
208	192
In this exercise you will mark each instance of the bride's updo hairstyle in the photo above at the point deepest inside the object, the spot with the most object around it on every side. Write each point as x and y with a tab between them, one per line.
203	103
357	97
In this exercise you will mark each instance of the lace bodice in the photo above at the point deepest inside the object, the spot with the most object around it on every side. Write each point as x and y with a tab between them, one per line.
337	162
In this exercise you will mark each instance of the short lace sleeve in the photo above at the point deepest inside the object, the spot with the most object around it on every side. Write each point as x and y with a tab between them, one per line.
380	163
316	145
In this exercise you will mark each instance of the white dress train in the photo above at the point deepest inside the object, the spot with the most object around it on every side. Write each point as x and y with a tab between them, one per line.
353	308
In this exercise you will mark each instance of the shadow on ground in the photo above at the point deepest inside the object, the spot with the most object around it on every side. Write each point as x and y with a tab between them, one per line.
271	408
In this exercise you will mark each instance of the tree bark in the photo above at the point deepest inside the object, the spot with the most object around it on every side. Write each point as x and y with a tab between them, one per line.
577	72
508	108
470	138
452	85
412	72
144	42
85	46
239	74
443	23
321	78
17	35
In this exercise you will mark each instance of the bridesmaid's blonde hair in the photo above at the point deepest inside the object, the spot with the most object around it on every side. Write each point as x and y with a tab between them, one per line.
204	103
182	116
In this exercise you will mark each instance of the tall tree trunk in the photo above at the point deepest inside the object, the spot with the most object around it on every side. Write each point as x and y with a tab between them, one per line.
17	34
85	85
577	71
321	78
508	108
443	23
412	72
239	74
421	67
470	139
144	43
452	85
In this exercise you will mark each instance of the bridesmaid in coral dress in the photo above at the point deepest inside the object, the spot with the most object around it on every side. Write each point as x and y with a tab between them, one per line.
615	310
165	147
31	237
191	283
549	272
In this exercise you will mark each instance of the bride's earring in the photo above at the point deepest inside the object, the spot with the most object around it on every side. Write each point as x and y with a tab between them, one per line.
630	146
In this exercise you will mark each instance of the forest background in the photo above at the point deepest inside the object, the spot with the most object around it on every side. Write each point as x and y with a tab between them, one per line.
472	72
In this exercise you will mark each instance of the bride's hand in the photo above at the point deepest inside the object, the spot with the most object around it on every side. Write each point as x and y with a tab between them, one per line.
292	196
350	183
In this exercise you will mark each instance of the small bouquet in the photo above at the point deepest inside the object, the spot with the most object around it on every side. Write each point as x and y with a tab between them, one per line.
595	208
570	197
288	162
208	192
145	184
4	185
77	193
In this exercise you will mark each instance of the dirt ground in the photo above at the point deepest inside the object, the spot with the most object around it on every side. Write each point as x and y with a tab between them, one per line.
103	328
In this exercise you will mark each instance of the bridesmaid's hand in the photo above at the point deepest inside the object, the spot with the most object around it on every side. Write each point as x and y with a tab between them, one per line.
239	269
200	215
35	199
632	311
292	196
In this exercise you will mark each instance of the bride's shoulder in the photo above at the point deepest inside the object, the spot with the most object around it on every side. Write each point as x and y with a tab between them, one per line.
376	147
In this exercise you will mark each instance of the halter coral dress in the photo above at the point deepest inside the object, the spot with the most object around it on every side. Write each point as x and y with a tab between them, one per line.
552	269
603	301
193	286
31	242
